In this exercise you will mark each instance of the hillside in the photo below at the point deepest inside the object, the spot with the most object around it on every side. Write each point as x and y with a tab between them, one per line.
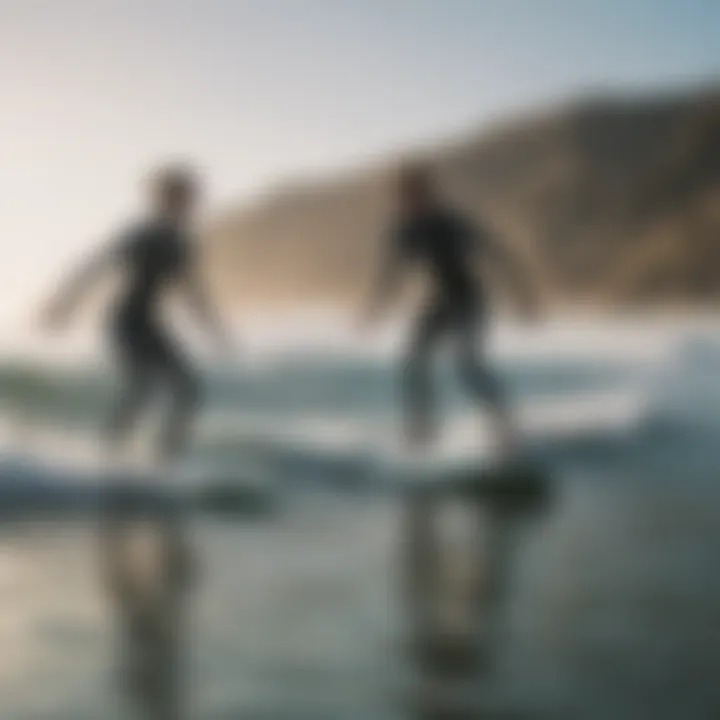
612	200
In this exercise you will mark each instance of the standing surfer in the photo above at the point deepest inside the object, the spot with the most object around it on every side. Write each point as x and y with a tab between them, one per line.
446	244
155	254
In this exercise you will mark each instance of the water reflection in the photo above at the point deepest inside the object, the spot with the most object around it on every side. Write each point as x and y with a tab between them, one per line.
149	568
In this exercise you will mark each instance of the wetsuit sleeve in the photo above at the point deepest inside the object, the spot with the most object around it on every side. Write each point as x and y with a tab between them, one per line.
485	243
494	251
395	253
126	244
83	277
403	243
386	275
189	268
475	234
189	259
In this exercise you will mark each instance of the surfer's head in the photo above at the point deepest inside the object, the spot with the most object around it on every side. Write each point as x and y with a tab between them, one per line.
416	188
175	190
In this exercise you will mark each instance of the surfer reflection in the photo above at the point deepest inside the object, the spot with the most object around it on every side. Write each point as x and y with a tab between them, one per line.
150	571
155	255
430	233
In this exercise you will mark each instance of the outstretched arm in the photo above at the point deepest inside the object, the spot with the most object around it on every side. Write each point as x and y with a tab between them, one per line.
64	301
514	272
387	280
198	298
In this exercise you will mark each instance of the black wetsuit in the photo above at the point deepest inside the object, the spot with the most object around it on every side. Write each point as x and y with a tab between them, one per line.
154	255
447	246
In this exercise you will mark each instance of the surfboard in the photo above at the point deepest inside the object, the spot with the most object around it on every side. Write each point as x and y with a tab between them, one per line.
519	481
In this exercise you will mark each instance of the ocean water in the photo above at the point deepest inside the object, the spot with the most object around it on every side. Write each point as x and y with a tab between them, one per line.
615	603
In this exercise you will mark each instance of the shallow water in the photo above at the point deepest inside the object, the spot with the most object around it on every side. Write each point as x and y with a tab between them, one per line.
616	598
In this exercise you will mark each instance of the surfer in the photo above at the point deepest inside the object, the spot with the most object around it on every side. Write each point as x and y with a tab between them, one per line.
155	255
430	233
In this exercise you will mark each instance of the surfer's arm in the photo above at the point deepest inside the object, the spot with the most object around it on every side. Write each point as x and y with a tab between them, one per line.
387	279
496	253
199	300
71	292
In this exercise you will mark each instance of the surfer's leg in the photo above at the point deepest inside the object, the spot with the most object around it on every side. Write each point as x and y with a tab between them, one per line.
417	387
185	396
481	381
134	393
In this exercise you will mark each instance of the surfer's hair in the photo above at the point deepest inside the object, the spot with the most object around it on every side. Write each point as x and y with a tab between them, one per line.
175	183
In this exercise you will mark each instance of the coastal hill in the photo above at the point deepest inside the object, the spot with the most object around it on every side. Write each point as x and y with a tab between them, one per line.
611	200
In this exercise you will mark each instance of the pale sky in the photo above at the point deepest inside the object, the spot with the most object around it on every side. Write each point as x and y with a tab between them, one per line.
95	92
